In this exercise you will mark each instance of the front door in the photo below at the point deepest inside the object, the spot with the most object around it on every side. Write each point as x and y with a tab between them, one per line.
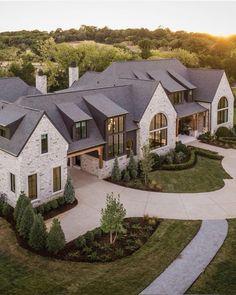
77	161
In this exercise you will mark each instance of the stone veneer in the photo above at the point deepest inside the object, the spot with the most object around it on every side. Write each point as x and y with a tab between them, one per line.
90	164
31	161
159	103
223	90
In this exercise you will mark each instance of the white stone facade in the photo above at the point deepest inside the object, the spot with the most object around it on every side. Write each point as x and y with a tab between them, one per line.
159	103
41	83
90	164
223	90
31	161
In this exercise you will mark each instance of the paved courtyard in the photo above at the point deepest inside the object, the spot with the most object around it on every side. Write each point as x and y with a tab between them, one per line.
91	194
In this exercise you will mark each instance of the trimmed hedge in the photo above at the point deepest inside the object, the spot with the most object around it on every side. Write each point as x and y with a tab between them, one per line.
229	140
193	159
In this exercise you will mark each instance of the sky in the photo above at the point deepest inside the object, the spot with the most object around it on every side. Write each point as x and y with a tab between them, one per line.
213	17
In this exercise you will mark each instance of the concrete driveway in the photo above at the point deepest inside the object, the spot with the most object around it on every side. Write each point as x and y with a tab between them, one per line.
91	194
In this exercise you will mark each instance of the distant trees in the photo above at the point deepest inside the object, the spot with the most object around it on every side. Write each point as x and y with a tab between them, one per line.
145	46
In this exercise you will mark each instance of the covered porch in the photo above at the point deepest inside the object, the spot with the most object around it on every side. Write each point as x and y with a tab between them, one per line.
192	120
89	160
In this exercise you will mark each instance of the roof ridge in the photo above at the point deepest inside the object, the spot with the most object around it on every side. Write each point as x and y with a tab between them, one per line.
144	60
20	106
206	69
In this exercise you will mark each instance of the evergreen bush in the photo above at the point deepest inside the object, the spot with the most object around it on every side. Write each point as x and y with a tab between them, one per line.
26	221
116	173
132	166
69	192
56	239
38	233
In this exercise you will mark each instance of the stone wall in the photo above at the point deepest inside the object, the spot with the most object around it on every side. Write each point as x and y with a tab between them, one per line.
223	90
31	161
159	103
89	164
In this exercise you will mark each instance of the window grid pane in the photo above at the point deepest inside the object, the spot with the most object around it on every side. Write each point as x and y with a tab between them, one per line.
56	179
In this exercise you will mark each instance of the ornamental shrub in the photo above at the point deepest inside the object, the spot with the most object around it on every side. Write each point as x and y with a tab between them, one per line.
38	233
6	210
26	221
224	132
80	242
22	202
56	239
132	166
116	173
180	147
126	176
69	192
54	204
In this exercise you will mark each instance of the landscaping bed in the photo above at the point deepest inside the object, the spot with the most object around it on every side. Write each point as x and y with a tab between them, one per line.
23	272
55	207
94	246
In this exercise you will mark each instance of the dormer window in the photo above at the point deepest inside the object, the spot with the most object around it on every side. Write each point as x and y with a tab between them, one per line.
80	130
4	132
177	97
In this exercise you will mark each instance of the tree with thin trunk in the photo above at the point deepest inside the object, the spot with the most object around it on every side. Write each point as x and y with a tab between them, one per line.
112	217
146	163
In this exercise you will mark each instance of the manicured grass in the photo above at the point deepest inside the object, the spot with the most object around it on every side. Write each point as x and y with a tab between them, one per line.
207	175
22	272
220	275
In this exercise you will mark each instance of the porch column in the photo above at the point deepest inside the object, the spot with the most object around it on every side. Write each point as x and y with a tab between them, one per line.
177	127
100	155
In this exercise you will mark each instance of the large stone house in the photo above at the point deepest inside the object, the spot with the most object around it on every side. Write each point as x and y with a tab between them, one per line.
100	116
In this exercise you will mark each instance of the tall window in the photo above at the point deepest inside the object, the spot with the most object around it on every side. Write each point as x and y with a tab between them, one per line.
56	179
80	130
158	131
13	182
222	112
32	186
115	130
177	97
44	144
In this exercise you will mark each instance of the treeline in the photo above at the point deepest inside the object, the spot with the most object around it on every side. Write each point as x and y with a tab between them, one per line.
193	49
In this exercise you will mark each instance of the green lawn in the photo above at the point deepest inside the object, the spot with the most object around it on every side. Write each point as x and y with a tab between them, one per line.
207	175
22	272
220	275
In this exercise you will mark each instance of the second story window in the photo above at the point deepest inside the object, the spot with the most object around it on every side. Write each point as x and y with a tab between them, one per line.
4	132
44	144
115	130
80	130
13	182
177	97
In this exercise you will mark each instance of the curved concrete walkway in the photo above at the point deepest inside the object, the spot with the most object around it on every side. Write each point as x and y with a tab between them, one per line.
192	261
91	193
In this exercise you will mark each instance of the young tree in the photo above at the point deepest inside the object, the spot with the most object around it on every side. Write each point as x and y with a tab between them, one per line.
69	192
26	222
56	239
132	166
116	173
145	46
146	163
112	217
22	202
38	233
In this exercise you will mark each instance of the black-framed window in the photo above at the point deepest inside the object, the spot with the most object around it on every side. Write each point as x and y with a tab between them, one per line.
13	182
56	179
115	130
177	97
32	186
158	131
80	130
44	143
222	111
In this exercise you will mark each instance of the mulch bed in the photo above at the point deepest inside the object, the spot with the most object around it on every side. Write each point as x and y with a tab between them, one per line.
137	186
61	209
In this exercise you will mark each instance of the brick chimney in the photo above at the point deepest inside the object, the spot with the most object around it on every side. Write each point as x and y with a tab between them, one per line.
41	81
73	73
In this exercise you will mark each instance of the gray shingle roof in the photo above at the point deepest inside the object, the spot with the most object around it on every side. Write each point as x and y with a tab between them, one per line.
188	109
182	80
72	111
10	115
24	130
206	81
13	87
104	105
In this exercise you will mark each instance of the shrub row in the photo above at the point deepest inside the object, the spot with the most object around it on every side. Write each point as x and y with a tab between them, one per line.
54	204
193	159
228	140
189	164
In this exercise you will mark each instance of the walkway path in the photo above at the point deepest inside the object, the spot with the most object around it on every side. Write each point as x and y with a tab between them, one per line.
192	261
91	193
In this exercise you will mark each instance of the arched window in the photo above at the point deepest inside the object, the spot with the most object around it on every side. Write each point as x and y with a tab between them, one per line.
222	111
158	131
